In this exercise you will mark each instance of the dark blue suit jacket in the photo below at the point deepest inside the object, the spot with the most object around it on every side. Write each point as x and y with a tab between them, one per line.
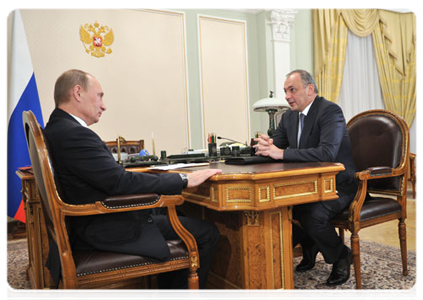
87	172
324	139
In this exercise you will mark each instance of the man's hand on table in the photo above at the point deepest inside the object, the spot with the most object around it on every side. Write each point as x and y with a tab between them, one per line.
198	177
265	147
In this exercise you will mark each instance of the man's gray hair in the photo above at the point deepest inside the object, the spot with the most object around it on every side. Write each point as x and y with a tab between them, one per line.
306	78
66	82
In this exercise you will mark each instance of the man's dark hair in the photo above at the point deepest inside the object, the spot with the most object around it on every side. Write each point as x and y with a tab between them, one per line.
306	78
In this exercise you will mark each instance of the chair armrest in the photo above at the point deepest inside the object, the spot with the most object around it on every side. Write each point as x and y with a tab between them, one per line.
139	202
354	209
413	155
374	173
412	166
124	201
380	171
363	176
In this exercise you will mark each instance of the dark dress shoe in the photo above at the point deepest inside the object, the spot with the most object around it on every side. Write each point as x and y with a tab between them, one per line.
309	259
341	270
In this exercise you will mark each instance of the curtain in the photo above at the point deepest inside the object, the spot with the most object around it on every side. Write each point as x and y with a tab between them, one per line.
394	42
360	88
358	92
395	46
330	45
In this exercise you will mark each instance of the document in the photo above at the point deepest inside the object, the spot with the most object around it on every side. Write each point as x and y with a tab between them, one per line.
178	166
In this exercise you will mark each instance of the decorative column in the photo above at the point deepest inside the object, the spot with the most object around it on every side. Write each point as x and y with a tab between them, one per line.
281	21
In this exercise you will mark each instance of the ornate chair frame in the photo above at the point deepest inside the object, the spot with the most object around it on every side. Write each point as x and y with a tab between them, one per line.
364	212
412	173
77	270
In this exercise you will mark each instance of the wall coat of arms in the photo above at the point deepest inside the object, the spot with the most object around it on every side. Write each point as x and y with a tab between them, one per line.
96	39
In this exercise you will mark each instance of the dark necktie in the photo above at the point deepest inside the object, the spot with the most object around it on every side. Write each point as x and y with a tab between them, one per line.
302	116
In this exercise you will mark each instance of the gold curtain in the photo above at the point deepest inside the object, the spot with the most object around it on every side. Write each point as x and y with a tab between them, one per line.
394	37
361	21
395	50
330	46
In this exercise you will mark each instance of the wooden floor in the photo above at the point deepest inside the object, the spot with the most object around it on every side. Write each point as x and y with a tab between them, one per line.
387	233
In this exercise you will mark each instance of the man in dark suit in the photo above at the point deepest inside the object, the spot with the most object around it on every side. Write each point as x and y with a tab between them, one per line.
315	130
87	172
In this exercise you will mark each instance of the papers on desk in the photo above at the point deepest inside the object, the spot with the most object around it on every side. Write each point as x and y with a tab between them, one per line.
178	166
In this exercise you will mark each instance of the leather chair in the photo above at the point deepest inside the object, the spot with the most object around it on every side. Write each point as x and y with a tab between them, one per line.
96	269
380	146
414	171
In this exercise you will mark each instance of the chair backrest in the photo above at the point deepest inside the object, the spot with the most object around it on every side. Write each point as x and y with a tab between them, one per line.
41	166
130	147
380	138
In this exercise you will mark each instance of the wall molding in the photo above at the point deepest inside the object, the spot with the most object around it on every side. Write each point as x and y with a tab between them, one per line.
281	21
224	77
255	11
247	11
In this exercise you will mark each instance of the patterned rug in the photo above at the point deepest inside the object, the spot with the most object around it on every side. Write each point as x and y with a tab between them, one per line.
380	269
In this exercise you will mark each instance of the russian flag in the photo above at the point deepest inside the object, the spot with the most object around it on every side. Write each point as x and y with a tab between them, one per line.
23	95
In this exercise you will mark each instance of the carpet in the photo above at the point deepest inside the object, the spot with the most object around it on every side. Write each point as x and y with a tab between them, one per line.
380	269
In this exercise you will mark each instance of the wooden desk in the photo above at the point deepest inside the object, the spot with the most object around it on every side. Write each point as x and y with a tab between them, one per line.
36	232
249	204
251	207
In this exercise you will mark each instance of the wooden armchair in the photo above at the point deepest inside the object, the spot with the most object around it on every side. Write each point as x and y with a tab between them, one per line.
380	146
96	269
414	171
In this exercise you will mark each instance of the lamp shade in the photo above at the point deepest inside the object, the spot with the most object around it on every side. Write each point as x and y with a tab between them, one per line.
270	103
271	106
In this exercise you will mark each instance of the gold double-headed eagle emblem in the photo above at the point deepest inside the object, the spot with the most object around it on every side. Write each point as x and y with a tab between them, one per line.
96	39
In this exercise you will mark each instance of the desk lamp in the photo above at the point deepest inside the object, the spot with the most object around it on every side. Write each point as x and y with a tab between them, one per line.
271	106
